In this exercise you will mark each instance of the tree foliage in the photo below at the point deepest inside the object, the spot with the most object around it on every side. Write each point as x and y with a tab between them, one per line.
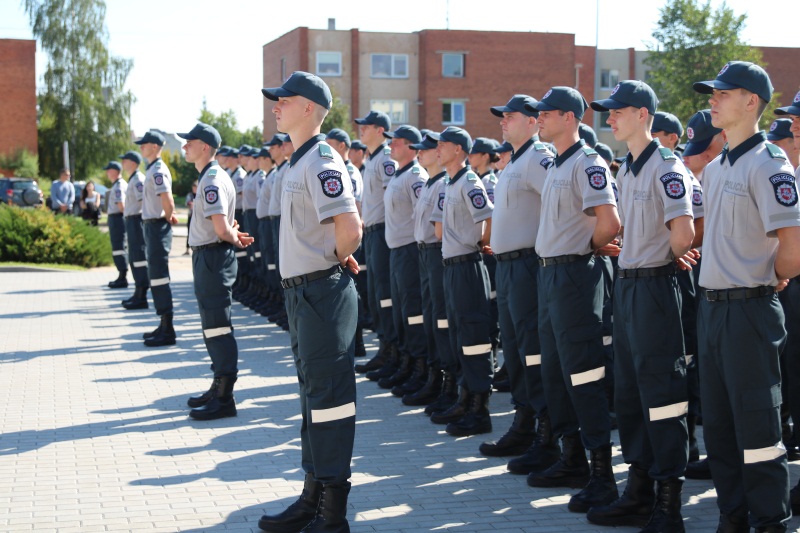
339	117
22	163
83	99
693	42
227	126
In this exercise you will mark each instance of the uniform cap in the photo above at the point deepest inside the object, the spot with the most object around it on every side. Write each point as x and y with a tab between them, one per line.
203	132
504	148
277	139
302	84
561	99
454	135
153	137
409	133
780	129
245	149
261	152
629	93
588	135
484	145
113	164
376	118
793	109
130	155
604	151
358	145
233	152
223	150
666	122
516	104
739	75
699	132
340	135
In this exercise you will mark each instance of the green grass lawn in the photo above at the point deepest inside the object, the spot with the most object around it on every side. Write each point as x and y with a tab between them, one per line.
41	265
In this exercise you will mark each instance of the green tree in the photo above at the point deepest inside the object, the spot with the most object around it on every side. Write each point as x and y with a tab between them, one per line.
22	163
692	43
83	100
339	117
227	126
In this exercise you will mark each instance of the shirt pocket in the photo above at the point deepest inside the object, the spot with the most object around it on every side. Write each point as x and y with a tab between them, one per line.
510	193
734	215
643	211
564	208
294	203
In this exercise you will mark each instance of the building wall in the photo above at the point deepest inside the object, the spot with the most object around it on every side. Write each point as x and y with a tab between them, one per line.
388	88
18	121
290	50
333	41
781	65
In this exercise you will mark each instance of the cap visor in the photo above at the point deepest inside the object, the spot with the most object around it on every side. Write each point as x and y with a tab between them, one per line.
773	137
389	134
139	142
499	110
707	87
789	110
434	136
187	136
276	92
606	104
540	106
697	148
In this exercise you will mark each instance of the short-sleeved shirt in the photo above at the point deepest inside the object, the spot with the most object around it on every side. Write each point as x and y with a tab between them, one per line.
134	194
653	190
265	194
379	167
698	209
356	179
465	205
750	192
518	198
215	196
316	188
237	177
427	204
399	200
117	193
251	187
158	181
489	179
576	183
277	190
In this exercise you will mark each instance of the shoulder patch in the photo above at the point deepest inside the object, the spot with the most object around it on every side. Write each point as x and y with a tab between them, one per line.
539	146
666	154
417	188
211	194
350	167
331	182
597	177
477	198
673	185
158	179
775	152
616	192
471	176
785	188
387	150
139	186
389	168
325	151
588	151
697	196
440	203
547	162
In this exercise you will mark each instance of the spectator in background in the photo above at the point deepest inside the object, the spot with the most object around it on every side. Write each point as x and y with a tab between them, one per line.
90	203
190	196
62	193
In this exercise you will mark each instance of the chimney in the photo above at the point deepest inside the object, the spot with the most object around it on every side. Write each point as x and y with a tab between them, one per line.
331	24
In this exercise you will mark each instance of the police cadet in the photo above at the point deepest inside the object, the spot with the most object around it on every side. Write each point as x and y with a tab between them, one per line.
275	146
780	134
358	151
134	230
320	230
252	183
237	174
704	143
752	244
465	227
588	135
515	223
651	396
266	250
158	216
400	199
579	215
213	237
378	170
116	223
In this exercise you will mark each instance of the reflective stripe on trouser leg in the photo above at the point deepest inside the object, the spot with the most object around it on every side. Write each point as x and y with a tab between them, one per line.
116	232
445	354
214	273
136	251
323	354
380	292
404	269
158	236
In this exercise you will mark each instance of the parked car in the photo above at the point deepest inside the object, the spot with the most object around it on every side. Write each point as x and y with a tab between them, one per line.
23	192
102	189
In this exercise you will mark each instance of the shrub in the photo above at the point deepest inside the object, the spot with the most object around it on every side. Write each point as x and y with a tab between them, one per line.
38	236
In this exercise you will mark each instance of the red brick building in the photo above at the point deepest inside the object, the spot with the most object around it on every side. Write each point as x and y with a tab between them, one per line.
18	128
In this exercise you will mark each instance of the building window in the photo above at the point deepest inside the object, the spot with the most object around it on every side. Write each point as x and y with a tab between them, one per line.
389	65
609	78
396	109
603	121
453	65
453	113
329	63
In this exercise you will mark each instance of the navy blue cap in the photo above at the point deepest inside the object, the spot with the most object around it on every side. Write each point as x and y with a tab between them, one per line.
340	135
358	145
376	118
151	137
223	148
561	99
739	75
484	145
130	155
780	129
588	135
262	152
233	152
454	135
203	132
302	84
113	164
277	139
666	122
504	148
629	93
518	103
429	141
245	149
699	132
604	151
793	109
409	133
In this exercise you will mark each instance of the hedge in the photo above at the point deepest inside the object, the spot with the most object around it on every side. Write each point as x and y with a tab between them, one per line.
39	236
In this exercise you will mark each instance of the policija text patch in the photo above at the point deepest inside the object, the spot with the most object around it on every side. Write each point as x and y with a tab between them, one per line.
785	189
331	181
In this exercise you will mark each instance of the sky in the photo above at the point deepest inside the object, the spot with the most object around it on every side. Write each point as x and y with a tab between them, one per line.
188	51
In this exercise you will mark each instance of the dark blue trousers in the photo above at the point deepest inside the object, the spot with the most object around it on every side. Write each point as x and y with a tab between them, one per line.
434	311
137	255
241	255
253	252
116	231
276	238
380	283
267	251
407	300
158	236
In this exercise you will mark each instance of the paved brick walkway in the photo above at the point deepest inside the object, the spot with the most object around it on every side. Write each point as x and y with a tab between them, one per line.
94	434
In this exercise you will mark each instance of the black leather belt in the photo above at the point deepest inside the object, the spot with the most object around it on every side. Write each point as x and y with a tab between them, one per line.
139	216
561	259
115	214
154	220
210	245
375	227
724	295
474	257
296	281
666	270
515	254
425	245
273	217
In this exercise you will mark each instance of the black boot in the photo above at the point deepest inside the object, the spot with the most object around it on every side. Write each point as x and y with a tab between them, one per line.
602	488
794	499
698	470
138	300
151	334
429	392
201	400
771	529
361	350
455	411
377	361
448	395
633	508
476	420
121	282
543	453
166	336
415	381
389	367
733	524
331	514
402	373
517	439
221	404
666	516
571	470
694	450
299	514
501	382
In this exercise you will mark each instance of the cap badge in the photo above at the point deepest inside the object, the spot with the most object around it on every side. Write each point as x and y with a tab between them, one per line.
773	126
724	69
796	98
614	91
690	133
548	93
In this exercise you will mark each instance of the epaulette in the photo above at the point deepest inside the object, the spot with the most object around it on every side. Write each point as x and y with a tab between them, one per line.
666	154
775	152
325	151
350	167
415	169
589	151
539	146
471	176
387	150
493	178
212	172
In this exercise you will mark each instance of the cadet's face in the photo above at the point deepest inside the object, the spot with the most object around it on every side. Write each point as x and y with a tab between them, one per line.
624	122
427	158
478	160
551	125
222	160
193	150
786	145
288	112
369	133
275	152
400	149
287	149
515	127
446	152
666	139
728	107
505	159
356	156
795	129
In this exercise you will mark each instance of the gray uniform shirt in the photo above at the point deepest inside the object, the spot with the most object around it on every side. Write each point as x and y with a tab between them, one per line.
465	205
653	190
237	177
356	179
489	182
215	196
577	182
399	200
117	193
134	194
277	190
158	180
427	206
316	188
251	187
265	194
518	198
698	210
750	192
378	170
